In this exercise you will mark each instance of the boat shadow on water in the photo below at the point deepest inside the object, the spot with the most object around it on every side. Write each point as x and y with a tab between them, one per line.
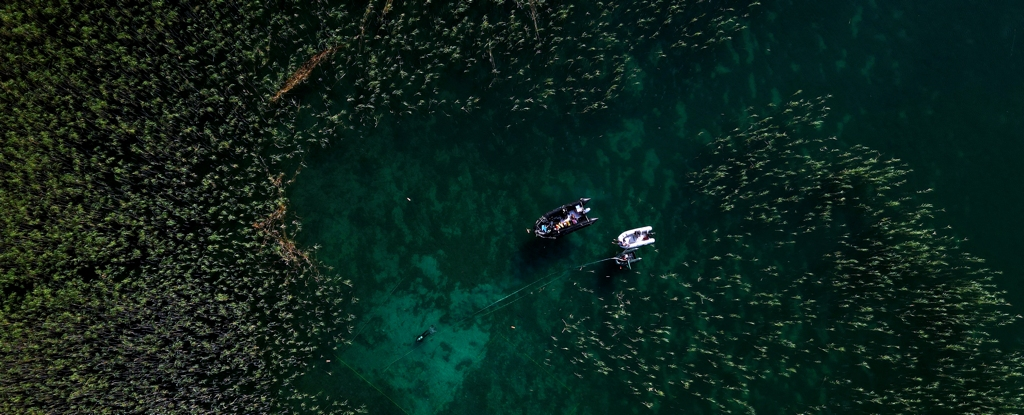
607	276
540	256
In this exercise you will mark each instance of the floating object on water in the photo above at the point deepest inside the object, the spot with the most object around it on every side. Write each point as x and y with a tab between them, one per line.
635	238
564	220
627	258
429	331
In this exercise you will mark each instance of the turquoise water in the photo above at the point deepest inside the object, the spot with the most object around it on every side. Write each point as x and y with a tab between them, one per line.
427	214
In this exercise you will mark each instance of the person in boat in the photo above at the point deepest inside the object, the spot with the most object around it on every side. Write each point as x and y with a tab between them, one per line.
425	334
626	257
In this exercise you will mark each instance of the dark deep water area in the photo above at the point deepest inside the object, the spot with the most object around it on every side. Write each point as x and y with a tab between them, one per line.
428	215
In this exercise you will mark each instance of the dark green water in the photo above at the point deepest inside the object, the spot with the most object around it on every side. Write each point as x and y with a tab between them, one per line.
427	214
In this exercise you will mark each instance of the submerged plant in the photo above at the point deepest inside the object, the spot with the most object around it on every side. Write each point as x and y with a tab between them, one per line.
393	57
146	265
818	285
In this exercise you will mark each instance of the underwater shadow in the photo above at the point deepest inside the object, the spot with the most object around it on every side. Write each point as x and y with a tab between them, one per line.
608	275
538	255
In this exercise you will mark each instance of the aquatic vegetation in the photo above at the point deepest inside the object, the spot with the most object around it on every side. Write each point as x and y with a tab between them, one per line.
149	261
146	263
386	59
820	285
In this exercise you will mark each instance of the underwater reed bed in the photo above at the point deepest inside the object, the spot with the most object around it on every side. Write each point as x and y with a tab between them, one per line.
393	59
146	264
149	251
817	283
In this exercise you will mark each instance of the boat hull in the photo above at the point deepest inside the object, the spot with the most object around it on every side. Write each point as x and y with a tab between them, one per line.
635	238
563	220
627	258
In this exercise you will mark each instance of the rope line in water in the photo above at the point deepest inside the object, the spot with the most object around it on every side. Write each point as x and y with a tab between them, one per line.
547	280
373	386
367	324
556	278
592	263
521	297
477	313
400	358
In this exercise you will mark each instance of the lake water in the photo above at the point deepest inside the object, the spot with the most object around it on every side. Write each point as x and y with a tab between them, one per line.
428	214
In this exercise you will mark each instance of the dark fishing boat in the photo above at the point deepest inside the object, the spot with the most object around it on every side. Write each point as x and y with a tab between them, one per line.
564	220
627	258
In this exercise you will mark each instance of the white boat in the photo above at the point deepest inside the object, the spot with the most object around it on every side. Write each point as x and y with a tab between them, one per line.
635	238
